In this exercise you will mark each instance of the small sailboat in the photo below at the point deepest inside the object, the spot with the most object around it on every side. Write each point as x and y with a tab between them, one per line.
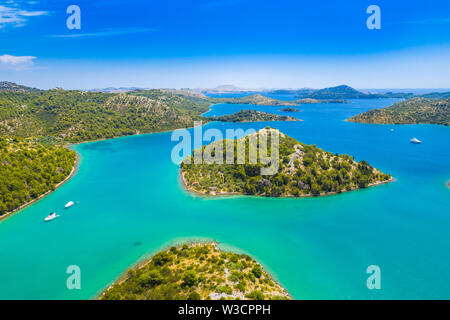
415	141
51	216
69	204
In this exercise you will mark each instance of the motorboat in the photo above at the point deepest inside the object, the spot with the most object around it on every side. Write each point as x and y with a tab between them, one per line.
51	216
69	204
415	141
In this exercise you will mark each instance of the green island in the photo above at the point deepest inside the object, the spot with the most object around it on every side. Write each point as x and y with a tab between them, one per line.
259	99
198	271
252	116
29	169
289	109
304	170
412	111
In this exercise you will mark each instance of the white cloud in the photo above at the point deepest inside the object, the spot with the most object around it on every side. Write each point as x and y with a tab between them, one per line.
17	17
16	63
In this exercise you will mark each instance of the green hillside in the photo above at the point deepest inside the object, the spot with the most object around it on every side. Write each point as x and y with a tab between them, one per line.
29	169
197	272
304	170
76	116
412	111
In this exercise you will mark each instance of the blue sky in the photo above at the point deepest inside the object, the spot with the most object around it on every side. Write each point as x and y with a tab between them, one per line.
204	43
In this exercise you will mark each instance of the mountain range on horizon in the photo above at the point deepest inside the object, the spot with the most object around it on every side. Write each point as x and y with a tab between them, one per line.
336	92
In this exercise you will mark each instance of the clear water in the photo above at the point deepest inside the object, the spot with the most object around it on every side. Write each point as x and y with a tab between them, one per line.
130	204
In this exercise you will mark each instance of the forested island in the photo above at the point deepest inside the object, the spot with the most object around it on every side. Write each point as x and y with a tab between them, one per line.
252	116
412	111
304	170
289	109
28	169
198	271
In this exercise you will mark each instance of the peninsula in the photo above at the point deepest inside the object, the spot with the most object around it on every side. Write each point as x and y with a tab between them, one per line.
29	169
412	111
198	271
304	170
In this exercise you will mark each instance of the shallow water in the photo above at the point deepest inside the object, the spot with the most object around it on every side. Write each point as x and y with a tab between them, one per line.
130	204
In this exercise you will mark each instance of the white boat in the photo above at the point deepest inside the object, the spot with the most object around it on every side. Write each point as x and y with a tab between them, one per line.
392	130
51	216
69	204
415	141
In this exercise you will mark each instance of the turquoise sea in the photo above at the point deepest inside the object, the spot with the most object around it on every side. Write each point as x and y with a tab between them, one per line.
130	204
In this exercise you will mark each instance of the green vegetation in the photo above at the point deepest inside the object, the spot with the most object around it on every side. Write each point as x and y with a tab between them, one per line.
196	272
436	95
29	169
289	109
304	170
412	111
76	116
252	116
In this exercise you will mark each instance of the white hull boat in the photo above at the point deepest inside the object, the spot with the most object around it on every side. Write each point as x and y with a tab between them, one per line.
69	204
51	216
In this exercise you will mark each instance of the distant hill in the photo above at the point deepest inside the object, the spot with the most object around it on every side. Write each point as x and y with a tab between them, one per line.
412	111
346	92
115	90
225	89
14	87
315	101
299	92
256	99
436	95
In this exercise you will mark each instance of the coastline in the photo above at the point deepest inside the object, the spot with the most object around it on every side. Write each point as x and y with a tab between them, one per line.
204	194
141	263
145	259
71	174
